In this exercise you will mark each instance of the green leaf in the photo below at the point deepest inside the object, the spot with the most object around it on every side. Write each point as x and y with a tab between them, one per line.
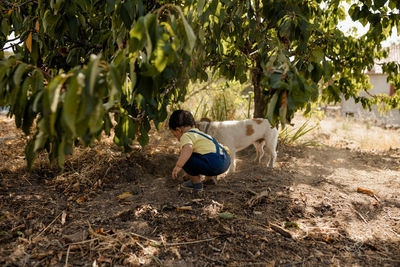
61	153
71	102
125	131
18	73
161	57
5	27
94	69
276	80
379	3
200	7
354	12
49	22
42	136
116	87
30	154
271	108
137	36
150	22
51	101
318	55
110	6
191	37
144	130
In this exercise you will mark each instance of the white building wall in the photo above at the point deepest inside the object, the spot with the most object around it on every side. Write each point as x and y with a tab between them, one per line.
380	86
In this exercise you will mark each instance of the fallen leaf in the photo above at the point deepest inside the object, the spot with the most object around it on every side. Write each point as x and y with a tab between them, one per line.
104	259
81	199
184	208
125	196
365	191
63	217
99	231
76	237
42	255
226	215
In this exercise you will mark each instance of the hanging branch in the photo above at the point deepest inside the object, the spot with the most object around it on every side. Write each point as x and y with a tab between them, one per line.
12	45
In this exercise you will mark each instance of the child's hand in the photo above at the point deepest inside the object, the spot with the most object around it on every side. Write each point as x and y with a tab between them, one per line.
175	172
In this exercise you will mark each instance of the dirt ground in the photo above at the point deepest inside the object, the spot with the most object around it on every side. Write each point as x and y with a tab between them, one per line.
335	203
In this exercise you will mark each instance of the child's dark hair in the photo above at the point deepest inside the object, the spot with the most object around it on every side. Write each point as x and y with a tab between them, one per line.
181	118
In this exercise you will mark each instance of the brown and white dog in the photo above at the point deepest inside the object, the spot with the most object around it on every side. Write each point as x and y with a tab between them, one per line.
237	135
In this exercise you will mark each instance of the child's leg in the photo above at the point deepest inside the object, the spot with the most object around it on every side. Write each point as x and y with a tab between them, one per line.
194	183
194	179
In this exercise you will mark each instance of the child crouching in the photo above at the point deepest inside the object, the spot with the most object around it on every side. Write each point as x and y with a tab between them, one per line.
200	153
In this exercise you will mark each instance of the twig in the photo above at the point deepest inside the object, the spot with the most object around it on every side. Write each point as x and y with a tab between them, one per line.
359	214
280	230
394	232
223	248
27	180
83	242
12	40
146	238
254	200
11	45
188	243
153	256
66	257
47	226
212	259
24	3
161	244
377	199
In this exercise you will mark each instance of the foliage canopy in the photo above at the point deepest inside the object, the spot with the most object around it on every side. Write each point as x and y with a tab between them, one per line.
81	63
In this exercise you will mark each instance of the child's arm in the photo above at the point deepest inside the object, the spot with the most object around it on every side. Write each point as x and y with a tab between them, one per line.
186	152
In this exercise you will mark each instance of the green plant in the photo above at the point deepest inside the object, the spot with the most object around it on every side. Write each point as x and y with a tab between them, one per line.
293	136
218	99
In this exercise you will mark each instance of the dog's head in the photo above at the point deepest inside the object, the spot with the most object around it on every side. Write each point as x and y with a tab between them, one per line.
202	124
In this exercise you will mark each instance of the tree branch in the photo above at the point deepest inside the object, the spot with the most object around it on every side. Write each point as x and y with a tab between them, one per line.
24	3
11	40
12	45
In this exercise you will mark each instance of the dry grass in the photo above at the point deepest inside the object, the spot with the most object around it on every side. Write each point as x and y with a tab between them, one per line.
345	132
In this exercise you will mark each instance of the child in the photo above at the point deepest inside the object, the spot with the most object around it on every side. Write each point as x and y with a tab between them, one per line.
200	153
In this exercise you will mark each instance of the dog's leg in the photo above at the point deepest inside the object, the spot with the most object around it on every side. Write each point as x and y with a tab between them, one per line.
271	150
259	146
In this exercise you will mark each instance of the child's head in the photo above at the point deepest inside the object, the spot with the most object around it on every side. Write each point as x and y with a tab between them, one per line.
181	118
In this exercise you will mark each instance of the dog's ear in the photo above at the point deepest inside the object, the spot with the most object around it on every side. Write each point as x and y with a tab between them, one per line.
205	119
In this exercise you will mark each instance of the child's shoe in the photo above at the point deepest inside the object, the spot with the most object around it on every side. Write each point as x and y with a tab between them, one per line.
193	186
211	181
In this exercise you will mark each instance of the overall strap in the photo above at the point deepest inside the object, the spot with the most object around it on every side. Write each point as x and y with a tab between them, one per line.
217	145
206	136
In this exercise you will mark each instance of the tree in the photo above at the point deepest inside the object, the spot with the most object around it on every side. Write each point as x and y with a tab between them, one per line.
293	50
81	62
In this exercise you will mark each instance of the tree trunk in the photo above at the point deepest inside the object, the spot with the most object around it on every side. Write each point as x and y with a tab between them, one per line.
256	74
258	91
